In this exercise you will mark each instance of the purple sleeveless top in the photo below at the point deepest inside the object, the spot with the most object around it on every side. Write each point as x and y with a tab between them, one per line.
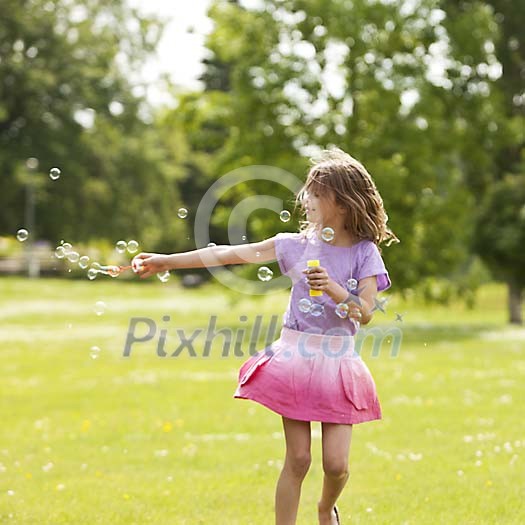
342	263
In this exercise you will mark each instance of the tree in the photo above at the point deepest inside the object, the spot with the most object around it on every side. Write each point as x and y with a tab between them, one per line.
306	75
67	99
500	237
487	105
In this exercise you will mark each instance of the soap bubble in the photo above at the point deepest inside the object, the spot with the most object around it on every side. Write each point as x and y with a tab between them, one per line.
22	235
304	305
114	271
164	276
341	310
73	257
317	310
60	253
211	244
100	307
96	266
83	262
121	246
244	237
327	234
32	163
285	215
92	274
182	213
67	247
264	273
94	352
133	246
54	173
351	284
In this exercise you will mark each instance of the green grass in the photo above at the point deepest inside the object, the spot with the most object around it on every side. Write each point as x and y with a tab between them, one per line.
152	440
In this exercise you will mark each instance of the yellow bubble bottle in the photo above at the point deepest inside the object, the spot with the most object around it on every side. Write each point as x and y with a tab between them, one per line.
312	263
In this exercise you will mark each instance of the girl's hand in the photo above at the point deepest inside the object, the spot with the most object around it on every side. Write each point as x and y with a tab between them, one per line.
148	264
317	278
355	312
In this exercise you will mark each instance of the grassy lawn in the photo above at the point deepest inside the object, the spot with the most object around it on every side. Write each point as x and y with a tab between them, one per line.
160	440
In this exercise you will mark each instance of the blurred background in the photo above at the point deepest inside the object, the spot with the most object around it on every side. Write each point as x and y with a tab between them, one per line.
117	117
142	105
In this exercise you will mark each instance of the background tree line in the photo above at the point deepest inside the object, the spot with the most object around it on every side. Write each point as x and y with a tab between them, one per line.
429	95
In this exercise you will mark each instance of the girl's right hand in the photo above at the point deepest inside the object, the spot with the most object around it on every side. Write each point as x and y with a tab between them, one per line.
148	264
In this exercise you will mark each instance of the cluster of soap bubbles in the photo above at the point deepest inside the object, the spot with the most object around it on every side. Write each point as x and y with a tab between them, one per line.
182	213
132	246
306	306
96	268
65	251
342	309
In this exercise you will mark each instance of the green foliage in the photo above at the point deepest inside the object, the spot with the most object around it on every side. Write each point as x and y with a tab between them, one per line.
282	81
279	108
434	143
66	100
500	235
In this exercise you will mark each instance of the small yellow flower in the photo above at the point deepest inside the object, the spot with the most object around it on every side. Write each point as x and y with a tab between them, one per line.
398	476
167	427
488	483
29	475
85	425
126	496
98	474
429	402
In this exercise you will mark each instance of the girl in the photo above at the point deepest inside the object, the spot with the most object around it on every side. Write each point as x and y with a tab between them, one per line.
312	373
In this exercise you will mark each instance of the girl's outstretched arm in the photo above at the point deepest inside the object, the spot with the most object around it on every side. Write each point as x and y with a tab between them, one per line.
257	252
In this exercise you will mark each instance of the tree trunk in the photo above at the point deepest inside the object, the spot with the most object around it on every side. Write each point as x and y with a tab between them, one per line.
515	302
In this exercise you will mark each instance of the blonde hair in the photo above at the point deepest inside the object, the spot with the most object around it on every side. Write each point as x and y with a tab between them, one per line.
354	189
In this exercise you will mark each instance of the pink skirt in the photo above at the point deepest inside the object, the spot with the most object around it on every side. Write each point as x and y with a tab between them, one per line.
311	377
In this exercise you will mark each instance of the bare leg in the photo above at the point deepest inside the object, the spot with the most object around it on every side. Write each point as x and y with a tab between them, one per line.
296	465
336	447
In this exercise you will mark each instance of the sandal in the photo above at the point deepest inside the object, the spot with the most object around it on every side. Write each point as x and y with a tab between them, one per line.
337	515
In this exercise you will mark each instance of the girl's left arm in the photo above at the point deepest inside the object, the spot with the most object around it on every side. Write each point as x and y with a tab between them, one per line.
360	309
367	291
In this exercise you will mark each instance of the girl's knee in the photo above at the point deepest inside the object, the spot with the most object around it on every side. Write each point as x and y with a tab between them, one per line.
299	463
335	468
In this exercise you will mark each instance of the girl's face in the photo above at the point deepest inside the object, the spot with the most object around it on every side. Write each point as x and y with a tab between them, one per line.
320	209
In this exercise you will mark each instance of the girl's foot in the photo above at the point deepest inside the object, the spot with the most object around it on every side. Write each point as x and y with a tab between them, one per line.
329	517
